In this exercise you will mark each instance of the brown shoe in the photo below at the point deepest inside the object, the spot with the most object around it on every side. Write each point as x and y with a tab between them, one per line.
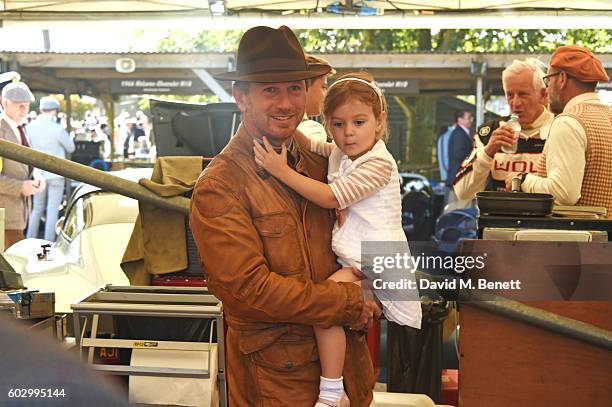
342	402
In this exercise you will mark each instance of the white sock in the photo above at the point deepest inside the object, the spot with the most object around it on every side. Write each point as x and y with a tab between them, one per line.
330	389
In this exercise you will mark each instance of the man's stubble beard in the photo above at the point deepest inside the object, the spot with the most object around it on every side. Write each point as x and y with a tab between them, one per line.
275	140
555	105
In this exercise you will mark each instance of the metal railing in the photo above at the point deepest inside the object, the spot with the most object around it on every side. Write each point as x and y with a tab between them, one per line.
89	175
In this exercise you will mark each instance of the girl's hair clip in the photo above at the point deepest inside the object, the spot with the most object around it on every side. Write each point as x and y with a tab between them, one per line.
370	84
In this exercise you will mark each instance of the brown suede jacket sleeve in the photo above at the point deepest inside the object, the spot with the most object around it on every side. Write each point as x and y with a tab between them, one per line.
232	256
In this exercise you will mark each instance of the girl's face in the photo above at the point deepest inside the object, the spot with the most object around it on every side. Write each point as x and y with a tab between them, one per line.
354	127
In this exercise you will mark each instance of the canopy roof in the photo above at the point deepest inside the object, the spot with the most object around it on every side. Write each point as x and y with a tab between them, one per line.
94	73
332	6
310	14
23	10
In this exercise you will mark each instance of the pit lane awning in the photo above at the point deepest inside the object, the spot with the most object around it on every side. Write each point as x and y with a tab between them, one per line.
241	14
330	6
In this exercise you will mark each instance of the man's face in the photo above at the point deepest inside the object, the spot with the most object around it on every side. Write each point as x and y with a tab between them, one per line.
16	111
523	98
315	96
273	110
466	120
554	95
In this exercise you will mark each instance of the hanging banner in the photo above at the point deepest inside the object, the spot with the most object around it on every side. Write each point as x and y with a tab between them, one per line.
158	86
399	85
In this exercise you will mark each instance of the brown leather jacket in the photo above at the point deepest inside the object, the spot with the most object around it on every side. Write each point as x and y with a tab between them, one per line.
267	253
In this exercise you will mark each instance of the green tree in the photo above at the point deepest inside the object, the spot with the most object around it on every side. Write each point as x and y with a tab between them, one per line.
204	41
474	40
421	110
422	122
78	106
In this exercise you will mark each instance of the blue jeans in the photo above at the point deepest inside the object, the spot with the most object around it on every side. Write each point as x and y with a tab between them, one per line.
47	201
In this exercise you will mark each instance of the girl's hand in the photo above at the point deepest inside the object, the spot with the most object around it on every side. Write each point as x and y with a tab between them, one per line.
270	160
341	216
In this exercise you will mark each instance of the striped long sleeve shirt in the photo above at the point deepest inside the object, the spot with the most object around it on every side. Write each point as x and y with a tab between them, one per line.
369	176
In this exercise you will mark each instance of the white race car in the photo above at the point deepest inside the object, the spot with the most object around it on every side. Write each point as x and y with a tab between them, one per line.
87	252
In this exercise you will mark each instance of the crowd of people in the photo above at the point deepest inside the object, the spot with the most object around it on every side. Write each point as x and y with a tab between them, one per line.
30	195
132	135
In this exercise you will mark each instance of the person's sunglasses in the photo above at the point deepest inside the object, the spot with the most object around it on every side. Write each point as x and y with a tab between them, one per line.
546	78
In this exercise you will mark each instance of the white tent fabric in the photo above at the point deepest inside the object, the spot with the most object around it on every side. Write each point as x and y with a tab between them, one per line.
308	14
236	6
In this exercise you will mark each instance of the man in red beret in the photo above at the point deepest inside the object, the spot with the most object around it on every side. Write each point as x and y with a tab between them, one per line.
266	251
575	166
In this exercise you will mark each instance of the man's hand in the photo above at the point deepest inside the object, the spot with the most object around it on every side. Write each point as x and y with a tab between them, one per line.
40	184
270	160
341	216
371	310
508	180
31	187
502	136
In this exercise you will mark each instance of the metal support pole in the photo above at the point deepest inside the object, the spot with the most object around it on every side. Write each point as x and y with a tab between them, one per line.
68	112
46	40
479	102
89	175
1	230
109	110
478	70
213	85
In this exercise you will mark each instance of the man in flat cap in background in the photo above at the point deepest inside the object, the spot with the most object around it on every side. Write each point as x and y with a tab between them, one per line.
16	183
5	79
315	94
575	166
48	136
266	251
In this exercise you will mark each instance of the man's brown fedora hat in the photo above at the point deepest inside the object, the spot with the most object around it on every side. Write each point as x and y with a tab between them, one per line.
269	55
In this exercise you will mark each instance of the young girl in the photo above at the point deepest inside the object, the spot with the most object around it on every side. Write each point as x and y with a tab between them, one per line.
365	185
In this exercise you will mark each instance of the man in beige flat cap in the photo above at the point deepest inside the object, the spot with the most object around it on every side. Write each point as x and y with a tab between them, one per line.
5	79
16	183
575	166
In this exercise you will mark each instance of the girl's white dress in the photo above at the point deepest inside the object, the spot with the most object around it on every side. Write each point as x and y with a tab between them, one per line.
369	189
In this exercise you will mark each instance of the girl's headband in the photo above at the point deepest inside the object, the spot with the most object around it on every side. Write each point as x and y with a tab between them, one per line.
370	84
